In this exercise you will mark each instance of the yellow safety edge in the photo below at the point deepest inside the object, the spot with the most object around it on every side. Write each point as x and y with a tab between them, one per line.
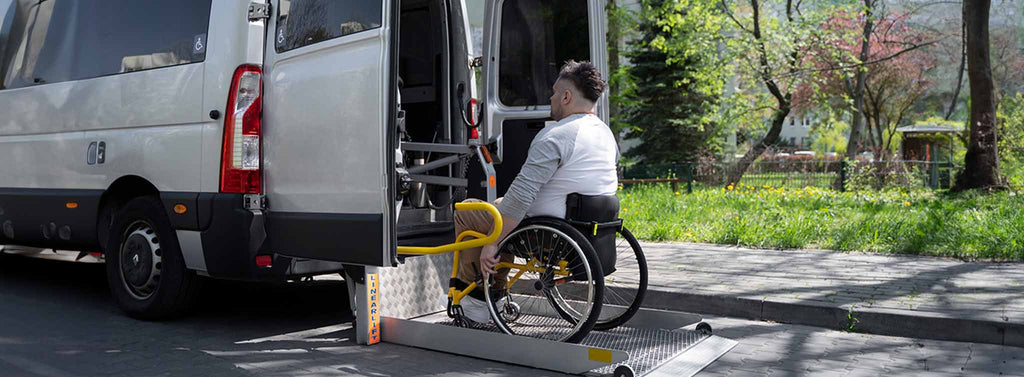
462	245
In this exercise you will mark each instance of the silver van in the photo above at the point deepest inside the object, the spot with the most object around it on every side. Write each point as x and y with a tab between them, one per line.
263	140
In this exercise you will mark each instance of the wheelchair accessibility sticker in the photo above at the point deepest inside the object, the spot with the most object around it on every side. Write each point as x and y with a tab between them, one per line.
373	307
199	44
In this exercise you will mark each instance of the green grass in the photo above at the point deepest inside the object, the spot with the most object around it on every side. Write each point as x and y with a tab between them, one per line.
967	226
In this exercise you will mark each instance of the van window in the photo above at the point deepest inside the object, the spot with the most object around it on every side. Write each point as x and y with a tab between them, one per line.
55	41
537	37
305	22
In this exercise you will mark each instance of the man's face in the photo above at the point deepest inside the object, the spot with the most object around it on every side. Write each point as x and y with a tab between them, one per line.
558	96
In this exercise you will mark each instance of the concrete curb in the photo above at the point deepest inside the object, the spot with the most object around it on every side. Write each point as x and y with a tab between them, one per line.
902	323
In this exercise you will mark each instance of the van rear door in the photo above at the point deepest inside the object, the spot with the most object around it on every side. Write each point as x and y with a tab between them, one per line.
525	44
328	147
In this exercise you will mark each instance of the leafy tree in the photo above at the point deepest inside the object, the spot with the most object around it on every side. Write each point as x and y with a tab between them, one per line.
771	43
829	136
1011	139
675	79
893	85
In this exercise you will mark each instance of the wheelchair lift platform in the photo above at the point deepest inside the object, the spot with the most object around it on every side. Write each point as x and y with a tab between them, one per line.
406	305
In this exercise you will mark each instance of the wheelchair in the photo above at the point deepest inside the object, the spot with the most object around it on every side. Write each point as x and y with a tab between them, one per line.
566	277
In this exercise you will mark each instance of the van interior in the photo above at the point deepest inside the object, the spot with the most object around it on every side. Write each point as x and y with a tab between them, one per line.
428	87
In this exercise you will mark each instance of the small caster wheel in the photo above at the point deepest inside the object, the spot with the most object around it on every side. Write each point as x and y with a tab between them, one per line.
461	321
704	328
511	312
623	371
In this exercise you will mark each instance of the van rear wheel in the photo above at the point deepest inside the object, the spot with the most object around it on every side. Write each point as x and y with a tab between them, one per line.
145	270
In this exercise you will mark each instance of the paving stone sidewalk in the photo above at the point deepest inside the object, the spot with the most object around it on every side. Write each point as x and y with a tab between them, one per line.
923	297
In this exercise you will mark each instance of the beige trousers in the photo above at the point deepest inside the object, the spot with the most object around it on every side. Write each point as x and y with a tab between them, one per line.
469	259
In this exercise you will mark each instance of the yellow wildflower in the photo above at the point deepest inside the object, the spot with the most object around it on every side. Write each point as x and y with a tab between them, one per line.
906	204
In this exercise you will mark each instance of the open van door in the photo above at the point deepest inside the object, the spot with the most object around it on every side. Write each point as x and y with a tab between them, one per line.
329	133
526	42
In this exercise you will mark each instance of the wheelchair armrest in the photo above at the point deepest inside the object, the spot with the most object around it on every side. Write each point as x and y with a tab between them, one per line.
460	244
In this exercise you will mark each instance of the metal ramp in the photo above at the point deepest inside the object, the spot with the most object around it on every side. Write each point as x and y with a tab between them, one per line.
411	301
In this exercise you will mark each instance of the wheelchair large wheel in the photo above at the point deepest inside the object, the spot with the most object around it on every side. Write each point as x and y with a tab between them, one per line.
554	269
625	288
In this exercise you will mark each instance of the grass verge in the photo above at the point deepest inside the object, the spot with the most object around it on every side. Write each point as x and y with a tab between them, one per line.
967	226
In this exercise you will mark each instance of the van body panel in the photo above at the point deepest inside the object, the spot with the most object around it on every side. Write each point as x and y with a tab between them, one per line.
324	125
229	46
329	139
327	166
48	130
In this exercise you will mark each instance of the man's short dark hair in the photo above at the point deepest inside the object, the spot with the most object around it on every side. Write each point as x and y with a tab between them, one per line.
585	77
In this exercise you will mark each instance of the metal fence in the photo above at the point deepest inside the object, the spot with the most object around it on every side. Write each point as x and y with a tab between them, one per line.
838	174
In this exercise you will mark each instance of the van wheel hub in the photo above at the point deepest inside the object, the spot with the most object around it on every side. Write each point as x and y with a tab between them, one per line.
140	260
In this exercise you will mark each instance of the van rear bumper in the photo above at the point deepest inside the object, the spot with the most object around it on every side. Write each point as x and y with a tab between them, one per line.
234	236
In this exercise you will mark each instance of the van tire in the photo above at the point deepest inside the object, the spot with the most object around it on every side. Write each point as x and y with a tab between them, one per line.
145	269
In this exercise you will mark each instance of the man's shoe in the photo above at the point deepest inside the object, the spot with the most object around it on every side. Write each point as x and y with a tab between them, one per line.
476	310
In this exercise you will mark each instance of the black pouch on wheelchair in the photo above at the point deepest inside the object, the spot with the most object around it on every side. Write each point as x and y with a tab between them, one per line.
597	217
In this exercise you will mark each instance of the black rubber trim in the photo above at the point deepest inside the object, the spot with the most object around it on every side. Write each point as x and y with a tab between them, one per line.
226	247
185	221
43	218
391	136
204	204
346	238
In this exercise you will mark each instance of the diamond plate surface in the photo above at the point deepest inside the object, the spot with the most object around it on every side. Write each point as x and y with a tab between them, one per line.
648	349
417	287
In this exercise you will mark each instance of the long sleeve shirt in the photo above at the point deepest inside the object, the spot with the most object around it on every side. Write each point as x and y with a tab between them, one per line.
575	155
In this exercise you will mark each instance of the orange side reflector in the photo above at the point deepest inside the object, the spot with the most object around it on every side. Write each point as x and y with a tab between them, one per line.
491	181
180	209
71	205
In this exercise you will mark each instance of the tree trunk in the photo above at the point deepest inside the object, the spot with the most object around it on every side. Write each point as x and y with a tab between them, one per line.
757	149
857	127
981	165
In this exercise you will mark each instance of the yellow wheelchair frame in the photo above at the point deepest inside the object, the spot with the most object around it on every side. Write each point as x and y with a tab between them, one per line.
480	240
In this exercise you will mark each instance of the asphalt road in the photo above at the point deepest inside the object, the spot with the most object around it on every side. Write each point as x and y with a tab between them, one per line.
57	319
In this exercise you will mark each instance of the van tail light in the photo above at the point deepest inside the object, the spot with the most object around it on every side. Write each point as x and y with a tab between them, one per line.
241	155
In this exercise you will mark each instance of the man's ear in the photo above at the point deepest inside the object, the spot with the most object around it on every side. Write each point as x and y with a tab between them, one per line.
567	97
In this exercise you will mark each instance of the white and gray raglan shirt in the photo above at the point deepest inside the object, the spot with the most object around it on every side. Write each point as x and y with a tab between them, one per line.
575	155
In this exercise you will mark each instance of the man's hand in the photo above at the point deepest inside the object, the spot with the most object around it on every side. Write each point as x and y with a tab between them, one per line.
488	259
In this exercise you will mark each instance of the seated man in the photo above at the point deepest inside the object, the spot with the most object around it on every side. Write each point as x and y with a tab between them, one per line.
577	154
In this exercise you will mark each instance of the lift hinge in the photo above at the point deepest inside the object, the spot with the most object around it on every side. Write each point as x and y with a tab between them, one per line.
259	11
254	202
476	62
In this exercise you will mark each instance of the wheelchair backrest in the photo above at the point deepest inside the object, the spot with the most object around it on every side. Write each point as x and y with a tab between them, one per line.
597	217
